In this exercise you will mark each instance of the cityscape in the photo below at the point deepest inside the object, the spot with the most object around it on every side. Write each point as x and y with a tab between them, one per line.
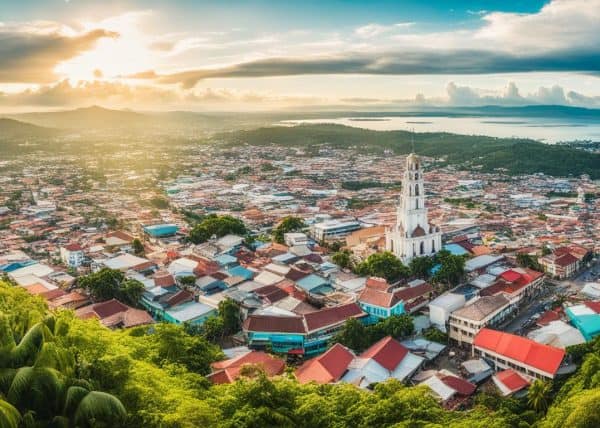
299	247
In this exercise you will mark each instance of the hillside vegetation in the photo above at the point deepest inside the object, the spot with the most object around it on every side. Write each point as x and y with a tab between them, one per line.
156	374
516	156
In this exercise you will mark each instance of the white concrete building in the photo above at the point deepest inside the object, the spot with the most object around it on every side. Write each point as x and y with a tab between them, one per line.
72	255
412	236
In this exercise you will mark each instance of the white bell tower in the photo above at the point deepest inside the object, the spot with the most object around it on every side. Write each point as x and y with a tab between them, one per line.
412	236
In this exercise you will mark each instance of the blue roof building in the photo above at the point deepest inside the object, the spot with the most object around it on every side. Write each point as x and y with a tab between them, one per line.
241	271
586	318
455	249
315	284
161	230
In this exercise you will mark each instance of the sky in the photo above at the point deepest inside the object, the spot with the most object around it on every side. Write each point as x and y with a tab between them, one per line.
266	55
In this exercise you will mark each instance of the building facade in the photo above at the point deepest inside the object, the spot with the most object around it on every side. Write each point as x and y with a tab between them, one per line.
412	235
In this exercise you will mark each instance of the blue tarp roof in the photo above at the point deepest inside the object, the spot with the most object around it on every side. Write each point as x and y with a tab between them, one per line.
455	249
312	282
241	271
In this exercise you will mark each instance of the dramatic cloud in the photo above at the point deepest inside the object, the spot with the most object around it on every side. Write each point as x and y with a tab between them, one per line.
29	53
394	63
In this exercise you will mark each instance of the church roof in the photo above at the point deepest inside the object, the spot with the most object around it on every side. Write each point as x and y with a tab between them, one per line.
419	231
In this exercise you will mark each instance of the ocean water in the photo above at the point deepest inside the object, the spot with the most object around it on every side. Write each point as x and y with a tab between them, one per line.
547	130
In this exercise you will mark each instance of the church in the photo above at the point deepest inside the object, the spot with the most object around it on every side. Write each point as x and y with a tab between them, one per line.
412	235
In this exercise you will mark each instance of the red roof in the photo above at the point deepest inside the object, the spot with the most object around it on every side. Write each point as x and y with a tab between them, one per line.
228	370
510	275
326	368
594	306
463	387
274	324
332	316
543	357
566	260
73	247
377	283
549	316
512	380
388	352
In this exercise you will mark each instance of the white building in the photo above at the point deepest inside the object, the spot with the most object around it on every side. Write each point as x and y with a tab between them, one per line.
413	236
72	255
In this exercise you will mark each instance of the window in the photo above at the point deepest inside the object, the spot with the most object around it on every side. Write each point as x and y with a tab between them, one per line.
422	248
433	245
416	190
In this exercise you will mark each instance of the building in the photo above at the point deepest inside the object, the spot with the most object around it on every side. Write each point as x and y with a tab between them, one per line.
113	314
412	236
72	255
384	360
441	308
507	351
486	311
560	266
227	371
381	304
307	334
293	239
333	229
586	317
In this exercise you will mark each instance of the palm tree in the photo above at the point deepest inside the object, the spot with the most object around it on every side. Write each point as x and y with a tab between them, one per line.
538	395
9	416
36	379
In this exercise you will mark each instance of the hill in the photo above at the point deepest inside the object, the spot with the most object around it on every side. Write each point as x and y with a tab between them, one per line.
515	156
15	129
93	117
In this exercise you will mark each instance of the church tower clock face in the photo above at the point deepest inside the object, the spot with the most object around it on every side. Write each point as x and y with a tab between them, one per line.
412	235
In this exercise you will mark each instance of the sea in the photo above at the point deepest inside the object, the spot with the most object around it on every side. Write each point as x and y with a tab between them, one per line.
547	130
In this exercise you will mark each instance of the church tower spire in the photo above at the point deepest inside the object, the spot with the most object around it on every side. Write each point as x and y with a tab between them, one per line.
412	235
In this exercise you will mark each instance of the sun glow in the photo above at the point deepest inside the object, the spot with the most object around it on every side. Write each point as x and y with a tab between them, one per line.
124	54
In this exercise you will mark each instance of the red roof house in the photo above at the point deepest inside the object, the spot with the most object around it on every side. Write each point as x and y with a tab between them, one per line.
529	356
227	371
326	368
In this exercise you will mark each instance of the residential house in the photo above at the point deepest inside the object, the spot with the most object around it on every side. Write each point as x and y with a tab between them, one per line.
306	334
227	371
72	255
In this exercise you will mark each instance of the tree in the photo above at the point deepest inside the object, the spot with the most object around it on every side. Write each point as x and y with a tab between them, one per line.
109	284
37	380
342	258
452	268
528	261
538	395
421	266
229	311
286	225
384	265
138	247
213	225
159	203
353	335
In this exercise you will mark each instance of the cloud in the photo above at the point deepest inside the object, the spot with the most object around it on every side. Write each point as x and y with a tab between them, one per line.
30	52
511	96
373	30
120	95
392	63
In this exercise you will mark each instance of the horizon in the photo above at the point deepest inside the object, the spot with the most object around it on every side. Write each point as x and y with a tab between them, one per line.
260	56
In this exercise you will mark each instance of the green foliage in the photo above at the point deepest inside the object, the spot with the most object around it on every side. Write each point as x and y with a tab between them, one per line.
343	259
358	336
109	284
528	261
435	335
286	225
383	265
214	225
421	266
452	268
159	203
368	184
539	395
138	247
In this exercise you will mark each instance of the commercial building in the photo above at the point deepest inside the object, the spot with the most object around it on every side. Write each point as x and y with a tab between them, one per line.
333	229
486	311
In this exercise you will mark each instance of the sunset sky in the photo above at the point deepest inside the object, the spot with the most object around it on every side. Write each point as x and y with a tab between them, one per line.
238	55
